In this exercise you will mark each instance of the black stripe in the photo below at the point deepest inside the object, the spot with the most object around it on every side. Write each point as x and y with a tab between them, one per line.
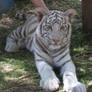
31	42
10	36
40	50
32	31
38	54
44	59
41	30
62	47
66	62
19	31
61	50
45	46
41	60
63	56
33	22
16	34
13	33
42	45
24	32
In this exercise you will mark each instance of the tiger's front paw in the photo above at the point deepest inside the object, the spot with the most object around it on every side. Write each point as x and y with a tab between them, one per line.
78	87
50	84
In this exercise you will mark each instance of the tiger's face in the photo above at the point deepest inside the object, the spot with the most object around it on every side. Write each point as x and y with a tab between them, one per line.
56	28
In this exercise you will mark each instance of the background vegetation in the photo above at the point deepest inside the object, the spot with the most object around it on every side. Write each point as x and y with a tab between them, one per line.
17	70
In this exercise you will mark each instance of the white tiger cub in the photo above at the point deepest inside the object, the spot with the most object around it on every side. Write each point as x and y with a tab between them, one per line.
51	49
50	45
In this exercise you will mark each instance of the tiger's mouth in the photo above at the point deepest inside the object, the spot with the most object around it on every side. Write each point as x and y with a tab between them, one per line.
54	42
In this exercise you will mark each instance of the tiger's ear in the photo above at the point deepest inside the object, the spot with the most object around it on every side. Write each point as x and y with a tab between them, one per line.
40	12
71	14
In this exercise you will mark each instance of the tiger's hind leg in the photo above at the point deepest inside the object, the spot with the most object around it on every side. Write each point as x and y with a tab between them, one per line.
15	41
70	81
11	45
48	81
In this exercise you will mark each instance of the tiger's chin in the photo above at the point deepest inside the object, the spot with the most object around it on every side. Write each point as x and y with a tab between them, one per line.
54	47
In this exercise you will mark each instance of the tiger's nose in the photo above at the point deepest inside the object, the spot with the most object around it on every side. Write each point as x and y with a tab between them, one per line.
56	41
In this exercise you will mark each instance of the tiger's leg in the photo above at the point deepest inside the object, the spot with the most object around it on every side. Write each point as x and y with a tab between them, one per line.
14	40
70	81
48	81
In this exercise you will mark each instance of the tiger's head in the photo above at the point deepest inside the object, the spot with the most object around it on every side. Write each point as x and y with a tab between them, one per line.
55	27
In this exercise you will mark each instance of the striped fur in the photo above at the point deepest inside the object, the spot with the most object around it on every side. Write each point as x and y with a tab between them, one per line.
51	49
54	26
48	37
18	38
40	37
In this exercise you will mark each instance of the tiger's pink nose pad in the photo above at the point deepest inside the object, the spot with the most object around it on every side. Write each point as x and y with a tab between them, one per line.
56	41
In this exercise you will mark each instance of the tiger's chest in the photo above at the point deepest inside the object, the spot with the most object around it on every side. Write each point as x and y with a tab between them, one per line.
59	54
53	54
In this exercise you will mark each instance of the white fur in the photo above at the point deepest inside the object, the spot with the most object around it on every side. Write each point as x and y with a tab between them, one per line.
70	81
11	46
62	61
49	81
